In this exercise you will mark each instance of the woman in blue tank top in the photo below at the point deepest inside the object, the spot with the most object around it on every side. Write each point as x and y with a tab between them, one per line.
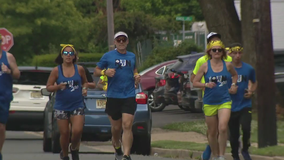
217	100
69	82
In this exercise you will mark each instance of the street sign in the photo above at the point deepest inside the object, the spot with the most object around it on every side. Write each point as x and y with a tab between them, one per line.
7	39
182	18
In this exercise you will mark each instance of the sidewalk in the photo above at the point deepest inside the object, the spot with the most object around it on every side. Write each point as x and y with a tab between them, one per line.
159	134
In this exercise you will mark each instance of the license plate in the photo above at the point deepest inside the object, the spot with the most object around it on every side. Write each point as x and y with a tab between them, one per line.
101	104
36	94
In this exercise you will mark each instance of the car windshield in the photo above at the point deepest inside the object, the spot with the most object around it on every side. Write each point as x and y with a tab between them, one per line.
32	78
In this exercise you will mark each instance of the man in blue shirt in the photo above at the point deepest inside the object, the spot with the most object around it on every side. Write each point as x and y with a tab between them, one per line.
241	103
119	66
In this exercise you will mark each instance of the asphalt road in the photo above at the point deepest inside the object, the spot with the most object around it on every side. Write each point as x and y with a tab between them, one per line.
173	113
28	145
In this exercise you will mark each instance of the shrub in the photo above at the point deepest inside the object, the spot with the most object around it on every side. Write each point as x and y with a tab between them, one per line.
166	53
47	60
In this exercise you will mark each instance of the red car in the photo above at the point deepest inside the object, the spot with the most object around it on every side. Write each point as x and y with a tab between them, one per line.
148	78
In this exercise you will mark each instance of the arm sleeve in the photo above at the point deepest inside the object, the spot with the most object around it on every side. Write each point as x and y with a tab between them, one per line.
197	66
252	76
102	64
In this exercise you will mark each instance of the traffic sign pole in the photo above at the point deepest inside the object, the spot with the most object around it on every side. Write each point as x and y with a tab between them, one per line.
183	19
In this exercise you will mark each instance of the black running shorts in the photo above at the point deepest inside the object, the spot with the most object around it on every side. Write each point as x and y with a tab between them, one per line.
116	106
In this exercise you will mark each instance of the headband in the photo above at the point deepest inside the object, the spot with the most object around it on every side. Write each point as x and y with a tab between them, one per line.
215	44
237	49
67	45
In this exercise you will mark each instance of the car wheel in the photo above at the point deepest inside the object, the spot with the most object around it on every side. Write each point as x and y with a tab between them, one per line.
46	142
155	107
141	145
56	148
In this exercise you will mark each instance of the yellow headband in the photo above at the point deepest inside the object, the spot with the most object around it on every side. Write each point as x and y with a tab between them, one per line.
215	44
228	49
67	45
237	49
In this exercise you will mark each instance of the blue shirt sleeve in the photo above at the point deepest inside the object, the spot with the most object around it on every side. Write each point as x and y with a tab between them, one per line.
102	64
252	75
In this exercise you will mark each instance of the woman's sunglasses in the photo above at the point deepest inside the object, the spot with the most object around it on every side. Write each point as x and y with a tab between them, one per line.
215	50
70	53
119	40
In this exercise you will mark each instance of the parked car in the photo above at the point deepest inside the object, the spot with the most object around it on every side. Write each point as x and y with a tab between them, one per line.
26	110
148	79
97	126
183	65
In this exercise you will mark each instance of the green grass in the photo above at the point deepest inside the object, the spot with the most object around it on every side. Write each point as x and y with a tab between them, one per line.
268	151
199	126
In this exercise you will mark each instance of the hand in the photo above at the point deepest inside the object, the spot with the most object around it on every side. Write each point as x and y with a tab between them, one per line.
233	89
110	72
137	78
62	85
248	94
210	85
5	69
84	92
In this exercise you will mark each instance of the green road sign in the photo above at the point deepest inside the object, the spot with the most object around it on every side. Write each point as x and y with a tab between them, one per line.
182	18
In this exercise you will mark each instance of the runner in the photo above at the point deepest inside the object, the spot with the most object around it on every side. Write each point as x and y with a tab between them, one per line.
9	70
213	36
121	105
217	100
241	103
69	82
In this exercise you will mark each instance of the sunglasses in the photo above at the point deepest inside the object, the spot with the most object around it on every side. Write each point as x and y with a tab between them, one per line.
119	40
70	53
215	50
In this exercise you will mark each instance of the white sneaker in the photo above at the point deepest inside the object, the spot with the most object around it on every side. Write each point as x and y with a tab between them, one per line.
221	158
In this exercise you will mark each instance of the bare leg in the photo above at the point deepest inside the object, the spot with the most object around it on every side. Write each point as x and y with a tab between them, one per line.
63	126
77	122
2	135
212	124
116	128
127	137
224	116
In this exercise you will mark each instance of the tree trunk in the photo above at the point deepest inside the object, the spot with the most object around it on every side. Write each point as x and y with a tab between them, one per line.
221	17
267	129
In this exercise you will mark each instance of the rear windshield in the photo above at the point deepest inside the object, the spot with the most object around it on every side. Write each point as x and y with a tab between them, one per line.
32	78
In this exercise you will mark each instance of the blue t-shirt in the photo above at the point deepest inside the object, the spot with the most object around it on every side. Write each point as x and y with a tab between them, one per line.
220	93
6	82
122	84
245	73
71	97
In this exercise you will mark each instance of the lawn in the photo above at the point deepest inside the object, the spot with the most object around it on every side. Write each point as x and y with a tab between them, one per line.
268	151
199	126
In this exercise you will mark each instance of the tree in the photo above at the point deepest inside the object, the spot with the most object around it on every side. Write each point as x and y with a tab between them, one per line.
267	129
221	17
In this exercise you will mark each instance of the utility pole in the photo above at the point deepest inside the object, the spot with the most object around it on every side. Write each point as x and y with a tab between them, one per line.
110	25
267	128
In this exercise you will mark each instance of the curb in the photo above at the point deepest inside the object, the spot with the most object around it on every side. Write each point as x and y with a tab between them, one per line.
181	153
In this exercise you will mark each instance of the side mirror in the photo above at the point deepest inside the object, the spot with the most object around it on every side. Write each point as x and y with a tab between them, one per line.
45	92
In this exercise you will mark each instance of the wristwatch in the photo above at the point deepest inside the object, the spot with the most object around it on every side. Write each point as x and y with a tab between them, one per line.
233	84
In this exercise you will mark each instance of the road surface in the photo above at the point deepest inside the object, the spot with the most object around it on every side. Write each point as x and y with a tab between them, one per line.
28	145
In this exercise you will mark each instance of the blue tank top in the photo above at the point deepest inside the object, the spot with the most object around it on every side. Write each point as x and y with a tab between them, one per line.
6	82
219	94
71	97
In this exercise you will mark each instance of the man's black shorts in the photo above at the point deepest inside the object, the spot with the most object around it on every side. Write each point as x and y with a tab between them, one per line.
116	106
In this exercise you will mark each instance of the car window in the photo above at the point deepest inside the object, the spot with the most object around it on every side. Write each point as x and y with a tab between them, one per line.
160	71
32	78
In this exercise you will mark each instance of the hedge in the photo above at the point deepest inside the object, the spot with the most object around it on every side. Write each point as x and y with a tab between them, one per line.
47	60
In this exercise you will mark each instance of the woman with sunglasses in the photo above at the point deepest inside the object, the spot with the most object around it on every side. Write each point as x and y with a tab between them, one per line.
69	82
217	101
